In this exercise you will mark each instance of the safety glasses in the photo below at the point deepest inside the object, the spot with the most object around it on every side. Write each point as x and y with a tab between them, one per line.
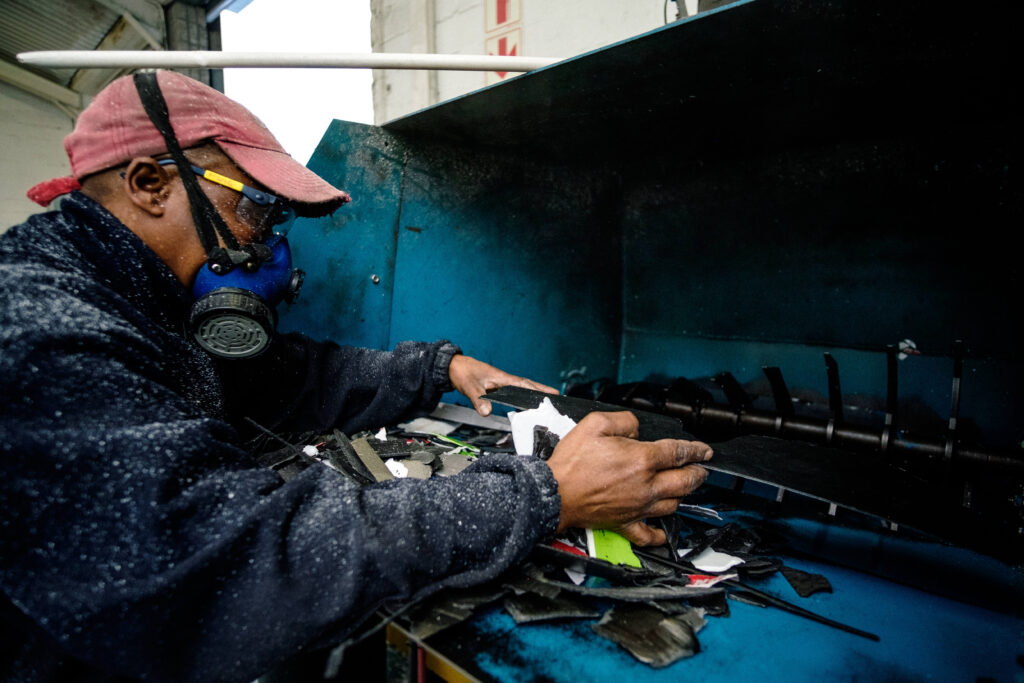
257	209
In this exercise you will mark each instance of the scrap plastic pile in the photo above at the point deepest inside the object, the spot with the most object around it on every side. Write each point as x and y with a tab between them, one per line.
653	602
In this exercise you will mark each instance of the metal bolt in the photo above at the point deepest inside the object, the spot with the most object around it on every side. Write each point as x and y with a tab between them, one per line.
374	279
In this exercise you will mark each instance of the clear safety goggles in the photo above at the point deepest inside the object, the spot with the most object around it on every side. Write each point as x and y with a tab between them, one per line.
259	210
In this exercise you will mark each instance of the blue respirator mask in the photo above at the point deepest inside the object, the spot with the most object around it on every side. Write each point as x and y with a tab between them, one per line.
234	316
238	288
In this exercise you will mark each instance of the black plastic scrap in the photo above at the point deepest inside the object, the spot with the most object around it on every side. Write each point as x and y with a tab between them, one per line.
368	455
544	442
748	594
653	637
450	608
657	608
748	599
713	605
343	457
420	459
662	588
531	607
520	583
806	583
453	463
753	596
416	469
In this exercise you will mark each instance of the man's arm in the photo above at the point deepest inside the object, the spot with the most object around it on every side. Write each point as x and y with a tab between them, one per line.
301	384
142	541
475	378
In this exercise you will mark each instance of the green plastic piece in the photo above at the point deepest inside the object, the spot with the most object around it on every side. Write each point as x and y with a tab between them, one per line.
467	448
612	547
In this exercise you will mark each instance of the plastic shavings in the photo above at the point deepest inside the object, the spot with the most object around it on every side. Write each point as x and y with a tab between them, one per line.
705	581
699	511
396	468
710	560
461	446
545	415
425	425
453	463
462	450
908	348
576	577
565	546
382	435
568	547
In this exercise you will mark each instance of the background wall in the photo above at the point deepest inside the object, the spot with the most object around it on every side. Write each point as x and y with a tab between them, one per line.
32	131
521	27
38	105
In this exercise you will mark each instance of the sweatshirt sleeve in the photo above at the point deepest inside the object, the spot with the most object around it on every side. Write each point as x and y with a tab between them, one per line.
143	543
301	384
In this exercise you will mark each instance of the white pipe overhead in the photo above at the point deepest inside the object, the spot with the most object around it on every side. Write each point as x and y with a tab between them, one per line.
200	59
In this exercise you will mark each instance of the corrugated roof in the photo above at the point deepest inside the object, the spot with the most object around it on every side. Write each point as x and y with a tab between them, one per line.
27	25
33	25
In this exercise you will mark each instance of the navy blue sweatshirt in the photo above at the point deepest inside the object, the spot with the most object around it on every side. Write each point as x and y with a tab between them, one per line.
138	539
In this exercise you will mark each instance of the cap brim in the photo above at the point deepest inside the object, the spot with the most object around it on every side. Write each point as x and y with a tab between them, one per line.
311	195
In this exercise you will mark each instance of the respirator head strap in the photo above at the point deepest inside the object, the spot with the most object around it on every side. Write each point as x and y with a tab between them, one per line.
209	223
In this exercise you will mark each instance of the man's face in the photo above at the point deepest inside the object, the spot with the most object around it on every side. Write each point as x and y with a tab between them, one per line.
149	197
248	221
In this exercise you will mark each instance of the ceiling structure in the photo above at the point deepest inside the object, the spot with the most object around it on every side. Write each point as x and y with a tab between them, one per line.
29	25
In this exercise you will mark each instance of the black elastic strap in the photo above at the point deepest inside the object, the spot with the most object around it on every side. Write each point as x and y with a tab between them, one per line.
206	218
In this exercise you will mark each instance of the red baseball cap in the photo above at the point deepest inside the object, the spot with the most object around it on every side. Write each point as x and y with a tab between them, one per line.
115	128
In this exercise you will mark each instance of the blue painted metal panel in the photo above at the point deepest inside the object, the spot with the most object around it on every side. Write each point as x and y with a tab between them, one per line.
490	252
341	253
515	260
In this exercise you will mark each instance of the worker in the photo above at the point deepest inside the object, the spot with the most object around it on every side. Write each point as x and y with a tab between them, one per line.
138	536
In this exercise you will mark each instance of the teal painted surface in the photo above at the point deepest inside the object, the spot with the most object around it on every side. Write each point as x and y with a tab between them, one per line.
514	260
923	636
341	253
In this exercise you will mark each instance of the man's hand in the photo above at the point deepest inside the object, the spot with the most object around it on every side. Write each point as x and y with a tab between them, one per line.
472	378
609	480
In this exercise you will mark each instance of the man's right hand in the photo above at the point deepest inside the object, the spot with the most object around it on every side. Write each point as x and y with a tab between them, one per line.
609	480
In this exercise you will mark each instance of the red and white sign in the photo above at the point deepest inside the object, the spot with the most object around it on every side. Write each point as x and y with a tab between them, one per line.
500	14
504	45
503	33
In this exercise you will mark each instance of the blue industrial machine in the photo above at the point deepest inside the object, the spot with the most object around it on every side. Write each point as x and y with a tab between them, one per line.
766	185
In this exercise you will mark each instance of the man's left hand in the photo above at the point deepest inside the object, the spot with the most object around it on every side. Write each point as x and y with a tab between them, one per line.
472	378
